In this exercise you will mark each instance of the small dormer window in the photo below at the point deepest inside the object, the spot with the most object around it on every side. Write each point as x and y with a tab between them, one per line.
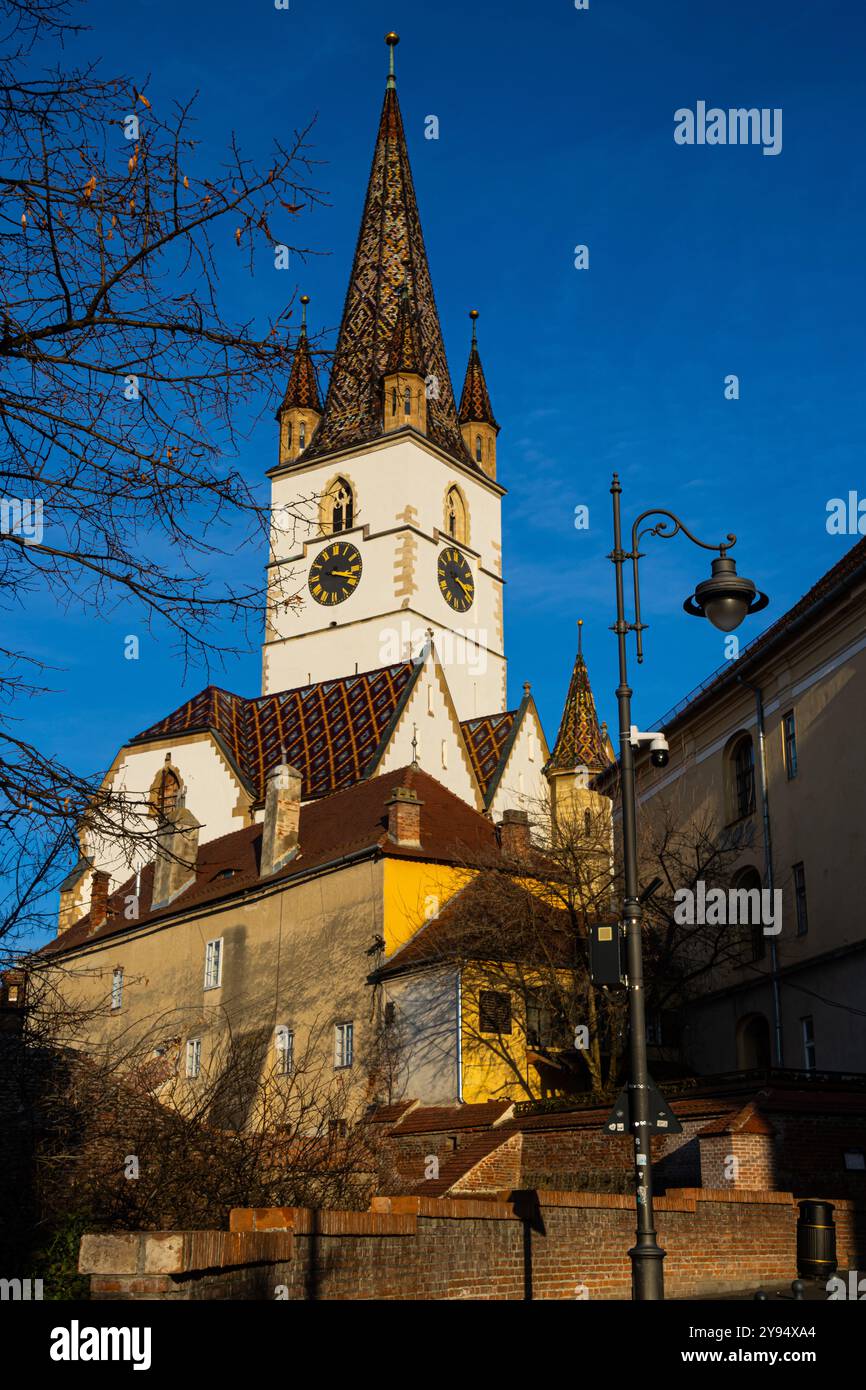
407	401
479	452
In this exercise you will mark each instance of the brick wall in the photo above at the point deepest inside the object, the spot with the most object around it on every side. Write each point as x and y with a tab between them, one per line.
738	1161
543	1245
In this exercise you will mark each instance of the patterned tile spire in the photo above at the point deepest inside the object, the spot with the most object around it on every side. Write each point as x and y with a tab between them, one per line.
475	405
302	391
389	253
580	741
405	353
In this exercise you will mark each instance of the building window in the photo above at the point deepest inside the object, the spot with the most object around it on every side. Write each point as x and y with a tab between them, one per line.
302	434
494	1011
743	758
284	1046
394	401
456	519
407	401
746	894
344	1045
343	514
799	874
193	1058
807	1029
479	449
855	1160
789	735
213	964
117	988
288	434
587	823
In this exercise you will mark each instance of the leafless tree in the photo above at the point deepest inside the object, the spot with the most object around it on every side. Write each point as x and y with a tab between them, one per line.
124	384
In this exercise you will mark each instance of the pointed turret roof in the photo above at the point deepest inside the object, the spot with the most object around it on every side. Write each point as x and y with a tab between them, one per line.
390	251
580	741
475	402
303	389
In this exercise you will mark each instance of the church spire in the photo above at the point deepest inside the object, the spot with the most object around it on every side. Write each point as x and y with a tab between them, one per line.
389	253
477	421
580	743
301	409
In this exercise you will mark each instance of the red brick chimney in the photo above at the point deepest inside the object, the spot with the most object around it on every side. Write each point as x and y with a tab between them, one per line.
404	817
98	898
514	834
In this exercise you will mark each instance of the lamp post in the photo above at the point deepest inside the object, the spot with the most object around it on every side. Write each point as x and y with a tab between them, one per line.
725	599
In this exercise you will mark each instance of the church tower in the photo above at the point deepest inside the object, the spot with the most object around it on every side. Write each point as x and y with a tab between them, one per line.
582	750
395	509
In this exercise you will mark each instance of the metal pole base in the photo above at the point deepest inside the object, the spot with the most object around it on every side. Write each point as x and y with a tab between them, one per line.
647	1272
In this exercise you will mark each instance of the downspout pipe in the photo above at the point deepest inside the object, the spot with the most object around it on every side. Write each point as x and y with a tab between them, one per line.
459	1035
768	863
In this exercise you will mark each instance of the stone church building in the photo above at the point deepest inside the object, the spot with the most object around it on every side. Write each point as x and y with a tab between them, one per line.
312	831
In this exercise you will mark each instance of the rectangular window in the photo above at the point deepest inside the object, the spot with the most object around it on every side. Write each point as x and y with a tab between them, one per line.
213	964
789	735
193	1057
807	1028
799	874
284	1044
117	988
494	1011
855	1161
344	1044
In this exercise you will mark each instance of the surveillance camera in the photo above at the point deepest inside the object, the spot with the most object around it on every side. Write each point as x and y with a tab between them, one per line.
658	745
659	755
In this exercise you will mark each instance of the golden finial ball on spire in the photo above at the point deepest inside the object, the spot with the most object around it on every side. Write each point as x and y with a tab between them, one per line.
392	39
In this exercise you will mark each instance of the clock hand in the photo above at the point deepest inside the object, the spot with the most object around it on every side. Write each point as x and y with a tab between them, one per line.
342	574
463	587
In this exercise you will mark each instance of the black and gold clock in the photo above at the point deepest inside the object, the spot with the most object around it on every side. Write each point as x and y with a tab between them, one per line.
456	584
335	573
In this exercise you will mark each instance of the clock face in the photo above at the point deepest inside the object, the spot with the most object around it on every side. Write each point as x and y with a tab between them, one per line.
335	573
455	579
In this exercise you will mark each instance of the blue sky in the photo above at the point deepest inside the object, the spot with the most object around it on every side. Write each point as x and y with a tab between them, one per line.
556	129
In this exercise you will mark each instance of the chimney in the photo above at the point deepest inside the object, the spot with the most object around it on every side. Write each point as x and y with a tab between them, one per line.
404	817
98	898
514	836
176	855
282	818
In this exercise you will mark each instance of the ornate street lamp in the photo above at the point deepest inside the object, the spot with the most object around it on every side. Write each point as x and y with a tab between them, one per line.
725	599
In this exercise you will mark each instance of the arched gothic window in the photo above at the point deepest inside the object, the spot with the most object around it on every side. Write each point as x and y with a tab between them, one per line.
455	515
407	401
343	514
587	823
394	400
302	434
288	434
479	451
